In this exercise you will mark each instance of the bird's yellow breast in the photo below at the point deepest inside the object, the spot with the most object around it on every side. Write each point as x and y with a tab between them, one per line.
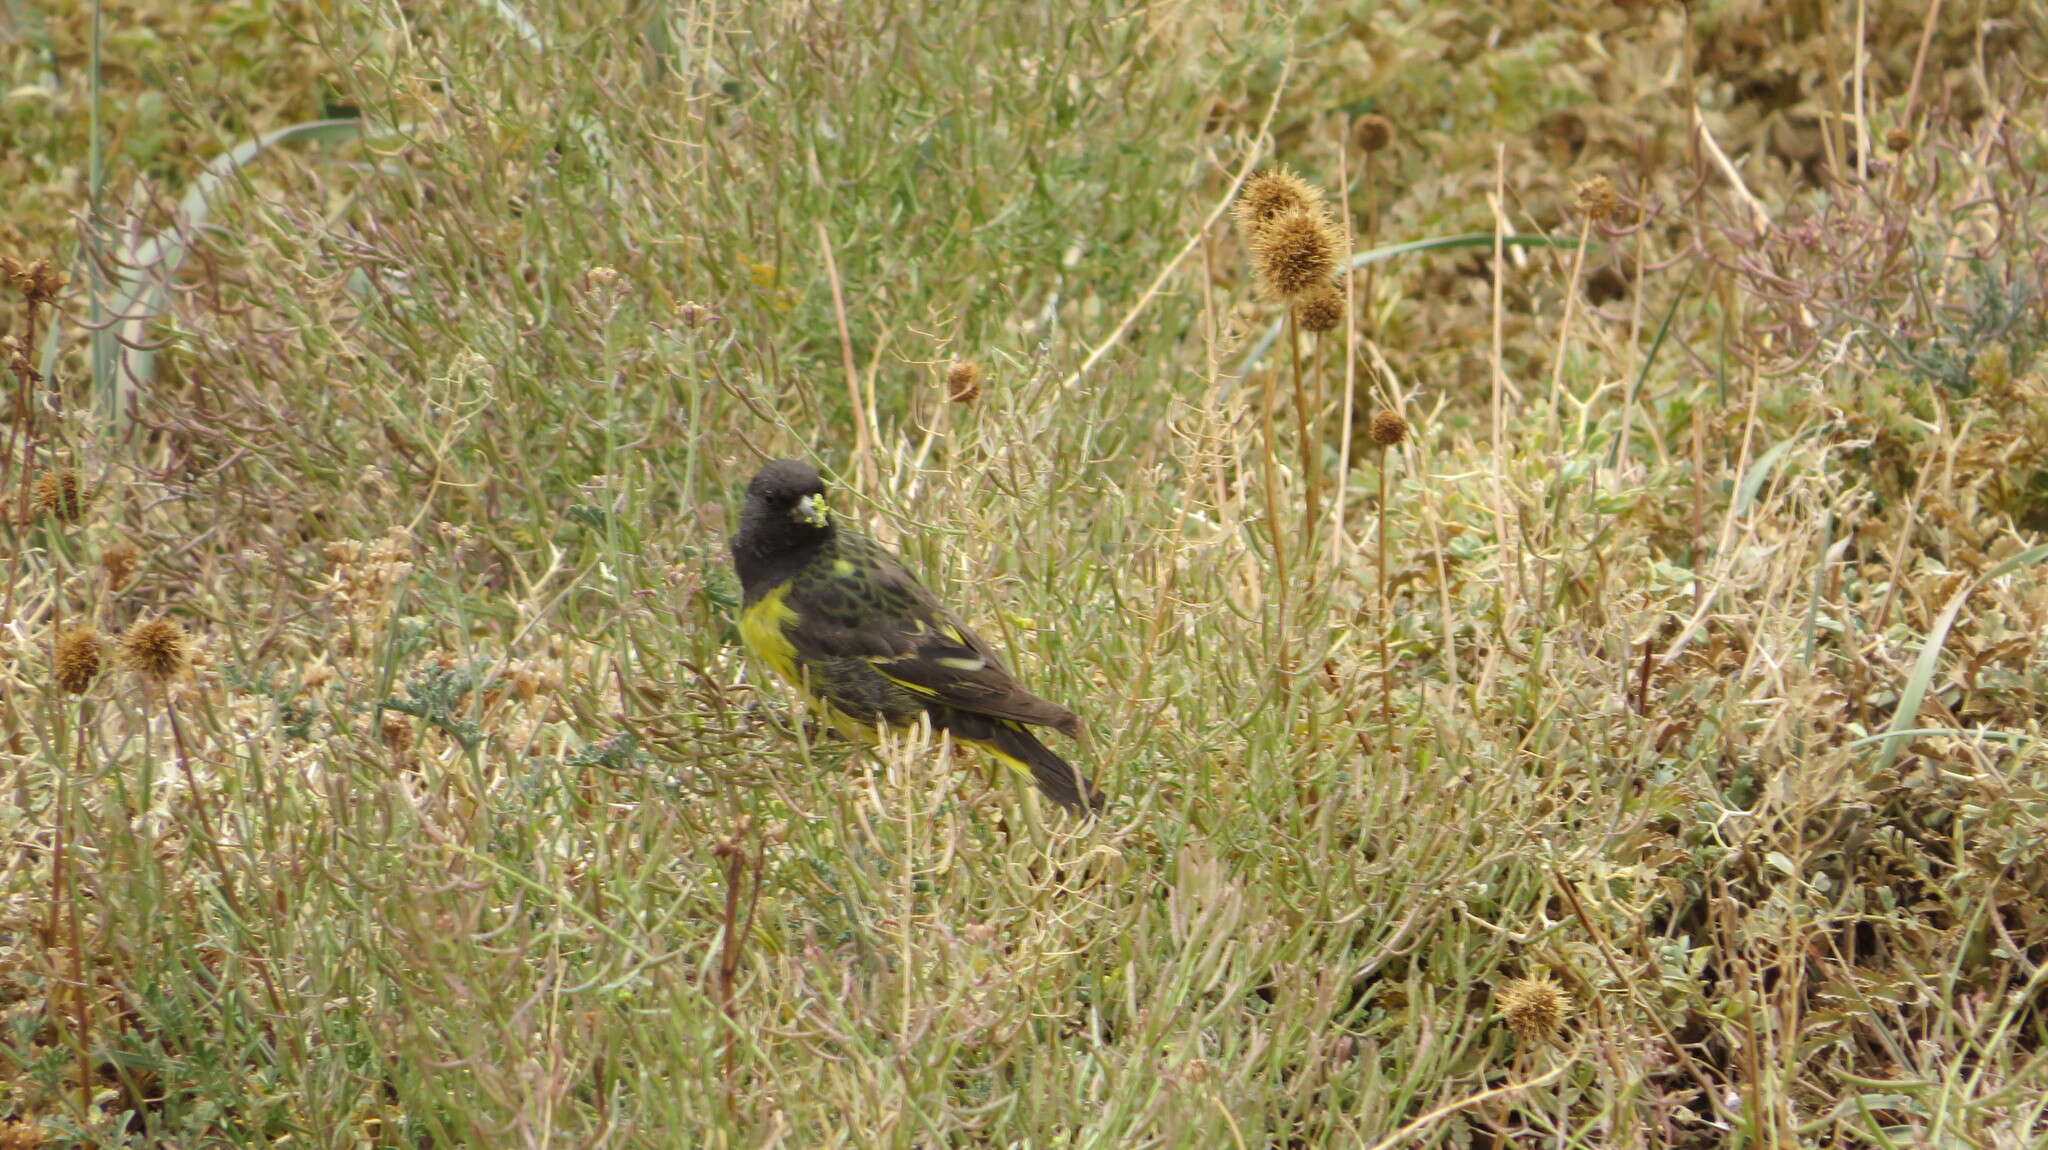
762	629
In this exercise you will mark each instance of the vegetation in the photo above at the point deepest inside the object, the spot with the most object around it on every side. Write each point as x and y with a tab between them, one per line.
1587	691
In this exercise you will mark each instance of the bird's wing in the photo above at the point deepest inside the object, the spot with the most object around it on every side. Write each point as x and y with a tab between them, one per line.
880	613
949	663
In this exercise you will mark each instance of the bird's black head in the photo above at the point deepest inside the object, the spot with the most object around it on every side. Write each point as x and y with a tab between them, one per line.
783	521
787	491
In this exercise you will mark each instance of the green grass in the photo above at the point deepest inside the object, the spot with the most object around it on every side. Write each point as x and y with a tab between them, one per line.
472	826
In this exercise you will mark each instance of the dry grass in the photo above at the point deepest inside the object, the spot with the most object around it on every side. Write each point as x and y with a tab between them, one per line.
1706	802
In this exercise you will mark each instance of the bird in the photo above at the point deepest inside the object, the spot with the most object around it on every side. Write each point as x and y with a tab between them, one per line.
839	617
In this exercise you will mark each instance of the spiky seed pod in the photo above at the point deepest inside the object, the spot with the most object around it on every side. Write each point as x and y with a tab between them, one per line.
1388	428
963	381
1294	253
156	649
1899	139
1535	1008
1271	193
57	495
75	659
1372	133
1321	310
1596	199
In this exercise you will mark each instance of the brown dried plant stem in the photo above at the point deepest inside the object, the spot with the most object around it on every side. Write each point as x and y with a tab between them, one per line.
1832	113
1351	303
24	393
1372	231
23	432
1896	184
1282	659
733	941
1511	582
64	895
1303	430
1709	1087
220	862
863	438
1388	431
1564	333
1386	614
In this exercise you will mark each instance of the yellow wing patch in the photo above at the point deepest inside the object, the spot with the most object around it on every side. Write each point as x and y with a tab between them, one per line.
927	692
762	628
969	664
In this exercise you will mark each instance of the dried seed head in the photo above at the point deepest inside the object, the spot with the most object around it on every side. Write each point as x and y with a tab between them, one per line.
963	381
1534	1008
119	561
1899	139
156	649
1271	193
75	660
1372	133
1321	310
1596	199
57	496
1388	428
37	282
1295	252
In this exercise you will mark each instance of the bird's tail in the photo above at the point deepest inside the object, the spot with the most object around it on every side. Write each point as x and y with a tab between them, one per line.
1061	781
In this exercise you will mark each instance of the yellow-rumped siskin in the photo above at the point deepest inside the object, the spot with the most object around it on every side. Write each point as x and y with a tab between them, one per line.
838	616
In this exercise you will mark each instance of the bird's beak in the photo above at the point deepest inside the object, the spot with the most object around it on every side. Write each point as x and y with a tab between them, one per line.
811	510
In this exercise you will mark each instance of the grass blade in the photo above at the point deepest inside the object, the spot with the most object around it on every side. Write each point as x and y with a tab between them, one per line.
1922	676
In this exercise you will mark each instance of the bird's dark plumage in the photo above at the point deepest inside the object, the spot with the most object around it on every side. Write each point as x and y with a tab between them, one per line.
839	616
